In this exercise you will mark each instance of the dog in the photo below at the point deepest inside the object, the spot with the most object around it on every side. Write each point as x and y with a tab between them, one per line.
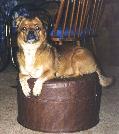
37	59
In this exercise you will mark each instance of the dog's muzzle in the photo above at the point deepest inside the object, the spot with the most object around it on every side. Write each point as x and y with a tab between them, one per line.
31	36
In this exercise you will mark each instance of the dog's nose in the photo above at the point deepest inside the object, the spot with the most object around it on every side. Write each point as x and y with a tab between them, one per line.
31	35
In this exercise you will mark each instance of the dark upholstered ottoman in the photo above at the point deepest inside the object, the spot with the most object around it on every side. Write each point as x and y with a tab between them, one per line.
65	105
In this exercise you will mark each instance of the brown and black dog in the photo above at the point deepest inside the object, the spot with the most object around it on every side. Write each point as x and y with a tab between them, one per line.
37	59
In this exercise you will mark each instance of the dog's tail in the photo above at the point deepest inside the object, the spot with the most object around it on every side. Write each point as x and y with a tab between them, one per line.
104	81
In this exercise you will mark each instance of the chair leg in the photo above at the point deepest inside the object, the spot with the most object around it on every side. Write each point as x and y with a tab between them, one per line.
78	43
93	45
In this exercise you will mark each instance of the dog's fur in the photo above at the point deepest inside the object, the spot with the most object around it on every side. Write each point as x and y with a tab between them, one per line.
37	59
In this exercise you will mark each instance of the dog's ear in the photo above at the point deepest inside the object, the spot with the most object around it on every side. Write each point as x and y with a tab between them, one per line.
37	18
44	23
19	20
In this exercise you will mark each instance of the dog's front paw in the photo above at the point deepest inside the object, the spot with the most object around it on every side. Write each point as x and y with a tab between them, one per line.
26	91
25	88
37	88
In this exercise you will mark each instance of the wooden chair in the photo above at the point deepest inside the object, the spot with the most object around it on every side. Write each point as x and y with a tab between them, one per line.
76	20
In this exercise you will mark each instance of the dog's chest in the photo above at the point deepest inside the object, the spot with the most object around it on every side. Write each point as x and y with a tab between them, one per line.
30	69
29	54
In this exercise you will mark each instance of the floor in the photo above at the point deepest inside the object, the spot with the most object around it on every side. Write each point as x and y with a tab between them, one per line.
109	112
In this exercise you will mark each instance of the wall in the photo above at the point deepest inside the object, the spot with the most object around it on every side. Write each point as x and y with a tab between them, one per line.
108	34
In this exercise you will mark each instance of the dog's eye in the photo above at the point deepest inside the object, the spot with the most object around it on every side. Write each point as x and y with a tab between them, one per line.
37	28
24	29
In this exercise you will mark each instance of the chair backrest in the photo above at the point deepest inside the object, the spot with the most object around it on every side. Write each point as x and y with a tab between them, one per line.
76	19
2	31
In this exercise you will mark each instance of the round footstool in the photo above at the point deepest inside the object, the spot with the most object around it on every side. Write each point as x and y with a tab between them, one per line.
65	105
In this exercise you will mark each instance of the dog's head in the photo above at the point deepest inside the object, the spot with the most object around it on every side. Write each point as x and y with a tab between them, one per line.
30	31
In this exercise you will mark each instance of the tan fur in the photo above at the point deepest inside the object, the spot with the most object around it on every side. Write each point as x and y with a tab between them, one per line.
46	63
